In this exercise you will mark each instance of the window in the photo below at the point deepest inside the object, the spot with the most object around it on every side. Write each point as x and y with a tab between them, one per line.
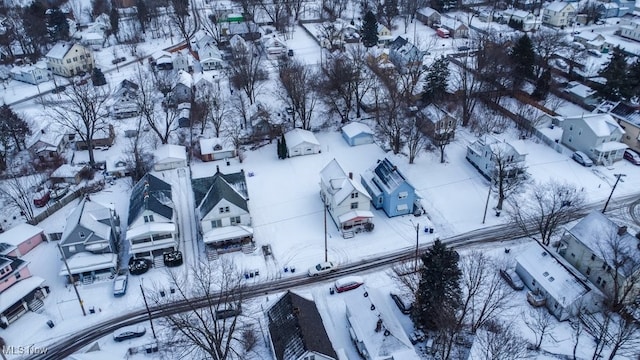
68	61
604	266
72	248
403	195
588	271
81	57
551	279
216	223
354	205
593	257
75	58
221	210
598	281
545	274
148	218
18	276
226	209
2	271
573	255
235	220
604	283
354	195
533	283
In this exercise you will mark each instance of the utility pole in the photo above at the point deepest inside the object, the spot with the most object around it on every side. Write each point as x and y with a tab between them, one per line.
148	311
326	256
618	176
64	259
486	206
415	265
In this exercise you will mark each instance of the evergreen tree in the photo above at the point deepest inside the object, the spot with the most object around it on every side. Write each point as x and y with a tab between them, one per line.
34	22
57	25
114	19
13	129
443	5
436	81
143	14
279	149
633	76
97	77
543	84
285	151
523	58
369	30
617	85
438	295
390	9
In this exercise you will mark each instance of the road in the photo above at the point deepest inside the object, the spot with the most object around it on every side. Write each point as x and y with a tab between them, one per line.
497	233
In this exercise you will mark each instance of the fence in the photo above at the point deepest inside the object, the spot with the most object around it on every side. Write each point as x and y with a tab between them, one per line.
51	209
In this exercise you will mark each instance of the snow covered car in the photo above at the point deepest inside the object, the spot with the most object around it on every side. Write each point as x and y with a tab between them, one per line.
322	268
512	279
120	285
129	332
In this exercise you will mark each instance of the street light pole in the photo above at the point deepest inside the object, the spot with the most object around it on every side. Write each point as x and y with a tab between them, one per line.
618	176
148	311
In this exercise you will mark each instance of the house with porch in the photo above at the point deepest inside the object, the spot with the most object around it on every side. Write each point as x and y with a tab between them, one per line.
152	228
630	29
559	14
210	57
89	242
437	123
182	91
605	253
389	189
596	135
296	330
69	59
48	143
526	18
347	202
223	212
20	239
125	104
404	54
20	291
629	120
486	153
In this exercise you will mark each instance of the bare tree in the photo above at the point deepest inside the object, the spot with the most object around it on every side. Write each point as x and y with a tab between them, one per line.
330	36
241	110
277	11
540	322
416	140
138	160
214	330
185	18
83	109
577	331
499	342
233	131
18	193
215	21
405	274
165	124
489	121
625	336
467	86
246	72
338	85
546	207
508	174
440	127
546	43
299	83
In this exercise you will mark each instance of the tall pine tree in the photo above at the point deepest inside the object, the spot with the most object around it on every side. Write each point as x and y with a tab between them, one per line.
58	25
436	81
143	14
522	58
285	151
369	30
439	295
633	75
543	84
13	129
617	85
114	20
97	77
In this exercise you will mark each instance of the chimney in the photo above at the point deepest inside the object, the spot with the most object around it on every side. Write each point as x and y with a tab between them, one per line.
217	168
42	131
622	230
379	325
350	175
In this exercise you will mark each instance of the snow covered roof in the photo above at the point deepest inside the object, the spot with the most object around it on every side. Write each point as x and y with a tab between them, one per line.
19	290
355	214
150	228
85	261
169	153
427	11
589	36
356	128
185	78
67	171
551	275
19	233
91	217
297	137
516	13
230	187
59	50
611	146
375	326
338	183
150	193
48	134
208	146
557	6
602	125
580	90
385	176
226	232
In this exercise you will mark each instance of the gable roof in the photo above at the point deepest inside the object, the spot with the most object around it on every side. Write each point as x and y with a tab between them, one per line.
386	176
295	326
91	216
60	50
356	128
150	193
19	233
296	137
169	153
209	191
337	182
557	6
602	125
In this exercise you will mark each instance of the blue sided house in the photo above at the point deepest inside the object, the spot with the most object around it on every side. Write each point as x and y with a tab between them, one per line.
389	189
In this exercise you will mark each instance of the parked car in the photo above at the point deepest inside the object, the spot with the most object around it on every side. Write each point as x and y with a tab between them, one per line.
632	156
227	312
41	197
139	266
129	332
58	89
120	285
290	52
322	268
512	279
582	159
348	283
402	304
594	52
118	60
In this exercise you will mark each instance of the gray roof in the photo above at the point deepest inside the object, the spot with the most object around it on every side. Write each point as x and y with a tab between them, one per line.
150	193
295	326
210	190
88	222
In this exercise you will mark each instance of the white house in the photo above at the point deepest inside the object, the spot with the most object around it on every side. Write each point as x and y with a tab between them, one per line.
528	20
67	60
32	74
169	156
273	45
559	13
346	200
630	29
125	104
210	57
301	142
215	149
596	135
484	152
564	293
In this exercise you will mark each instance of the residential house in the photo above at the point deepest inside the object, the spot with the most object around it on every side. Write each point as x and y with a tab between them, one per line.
32	74
238	46
437	123
628	118
223	212
630	29
69	59
592	40
102	137
487	153
526	18
582	94
248	30
296	330
162	60
384	34
152	229
615	8
169	156
559	14
263	126
20	239
301	142
273	46
596	135
210	57
117	167
357	133
605	253
374	329
527	5
346	200
215	149
89	242
48	143
404	54
182	91
457	29
428	16
19	290
125	104
93	39
389	189
184	115
70	174
552	282
202	38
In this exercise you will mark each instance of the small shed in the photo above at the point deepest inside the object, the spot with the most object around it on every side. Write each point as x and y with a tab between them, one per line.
20	239
169	157
67	173
301	142
356	133
215	149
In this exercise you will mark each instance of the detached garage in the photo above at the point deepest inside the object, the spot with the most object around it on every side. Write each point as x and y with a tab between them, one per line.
170	157
357	133
301	142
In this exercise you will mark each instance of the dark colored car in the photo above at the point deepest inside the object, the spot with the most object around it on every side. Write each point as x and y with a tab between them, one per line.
227	312
58	89
512	279
404	307
139	266
290	52
130	332
632	156
172	259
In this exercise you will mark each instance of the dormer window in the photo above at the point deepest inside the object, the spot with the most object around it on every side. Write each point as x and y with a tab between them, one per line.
354	195
148	218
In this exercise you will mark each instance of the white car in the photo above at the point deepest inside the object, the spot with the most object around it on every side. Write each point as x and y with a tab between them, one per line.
322	268
120	285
